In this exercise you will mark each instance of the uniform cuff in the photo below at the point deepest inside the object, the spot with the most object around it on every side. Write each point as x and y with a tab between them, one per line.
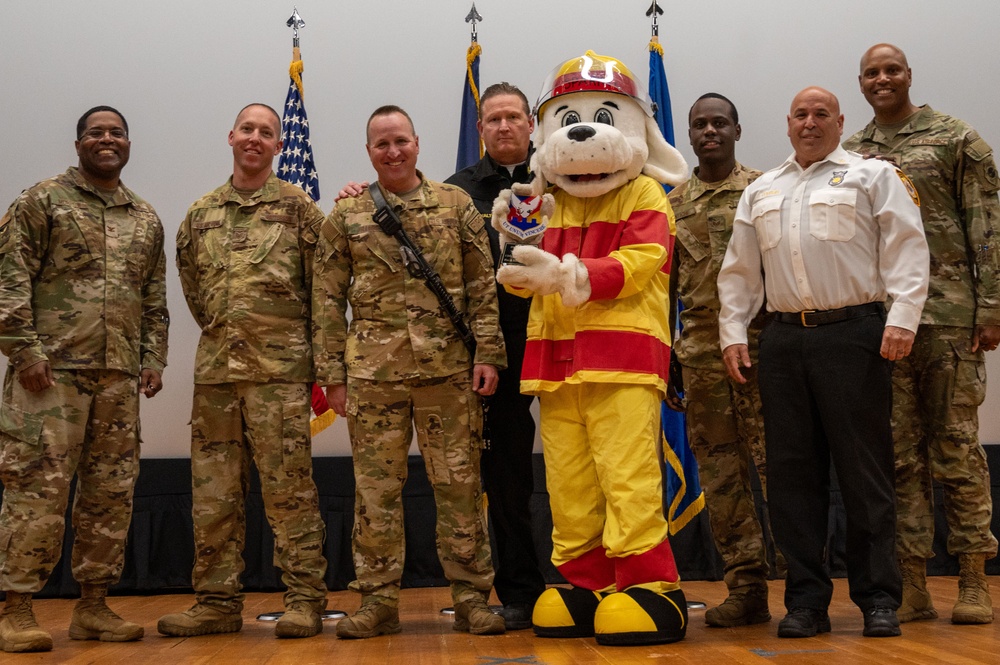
987	316
31	355
903	315
732	333
152	362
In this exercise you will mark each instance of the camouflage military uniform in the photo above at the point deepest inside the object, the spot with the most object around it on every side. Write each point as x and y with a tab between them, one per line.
246	270
724	418
83	287
405	366
938	388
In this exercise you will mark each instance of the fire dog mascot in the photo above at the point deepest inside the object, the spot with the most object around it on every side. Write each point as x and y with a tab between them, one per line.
599	348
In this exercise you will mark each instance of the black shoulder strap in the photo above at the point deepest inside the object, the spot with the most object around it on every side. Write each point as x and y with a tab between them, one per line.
384	216
417	265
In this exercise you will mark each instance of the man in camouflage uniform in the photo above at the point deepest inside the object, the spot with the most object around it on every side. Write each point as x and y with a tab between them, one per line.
401	365
245	254
724	417
938	388
83	322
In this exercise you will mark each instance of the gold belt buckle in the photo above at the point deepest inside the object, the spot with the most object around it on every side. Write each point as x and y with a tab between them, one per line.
802	317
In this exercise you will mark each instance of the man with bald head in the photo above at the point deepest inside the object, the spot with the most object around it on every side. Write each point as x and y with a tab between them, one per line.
245	257
938	389
827	236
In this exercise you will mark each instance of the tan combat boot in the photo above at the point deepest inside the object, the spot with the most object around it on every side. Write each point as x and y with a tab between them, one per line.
18	629
374	618
744	606
917	604
202	619
474	616
301	619
974	603
94	620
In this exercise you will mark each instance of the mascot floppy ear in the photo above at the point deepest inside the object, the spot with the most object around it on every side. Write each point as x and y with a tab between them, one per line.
664	164
538	184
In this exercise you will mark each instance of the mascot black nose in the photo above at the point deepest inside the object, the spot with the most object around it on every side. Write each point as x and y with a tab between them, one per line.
581	133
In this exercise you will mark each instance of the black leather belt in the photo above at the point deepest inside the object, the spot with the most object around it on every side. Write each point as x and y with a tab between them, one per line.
811	318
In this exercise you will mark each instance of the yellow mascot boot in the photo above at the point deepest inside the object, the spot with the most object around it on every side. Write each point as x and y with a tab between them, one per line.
565	612
638	616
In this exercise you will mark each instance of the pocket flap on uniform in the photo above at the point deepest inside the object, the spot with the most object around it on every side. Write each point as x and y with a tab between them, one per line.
690	241
834	197
21	425
267	243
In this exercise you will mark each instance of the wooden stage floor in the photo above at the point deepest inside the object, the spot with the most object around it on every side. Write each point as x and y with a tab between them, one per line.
427	637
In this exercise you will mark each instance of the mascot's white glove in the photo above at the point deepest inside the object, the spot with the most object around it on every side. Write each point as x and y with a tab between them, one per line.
533	231
545	274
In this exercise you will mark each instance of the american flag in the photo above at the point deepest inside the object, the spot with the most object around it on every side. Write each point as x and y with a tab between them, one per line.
296	165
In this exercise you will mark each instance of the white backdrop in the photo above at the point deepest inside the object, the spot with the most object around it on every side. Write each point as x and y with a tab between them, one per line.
181	69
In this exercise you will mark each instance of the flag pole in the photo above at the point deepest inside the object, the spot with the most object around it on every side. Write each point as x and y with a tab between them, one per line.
470	146
659	93
684	464
299	165
295	22
324	416
654	12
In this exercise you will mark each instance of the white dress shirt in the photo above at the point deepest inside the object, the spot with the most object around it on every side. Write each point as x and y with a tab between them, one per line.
844	231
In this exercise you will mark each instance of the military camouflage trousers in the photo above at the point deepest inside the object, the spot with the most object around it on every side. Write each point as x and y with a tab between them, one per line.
381	417
233	424
726	433
936	393
87	424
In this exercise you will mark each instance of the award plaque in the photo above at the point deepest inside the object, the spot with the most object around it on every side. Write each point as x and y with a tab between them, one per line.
507	257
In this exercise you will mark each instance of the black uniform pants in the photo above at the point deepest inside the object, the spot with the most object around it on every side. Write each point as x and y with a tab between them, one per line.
827	394
509	481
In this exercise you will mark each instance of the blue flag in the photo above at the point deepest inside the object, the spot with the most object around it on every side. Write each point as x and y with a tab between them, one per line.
469	148
296	165
685	498
660	93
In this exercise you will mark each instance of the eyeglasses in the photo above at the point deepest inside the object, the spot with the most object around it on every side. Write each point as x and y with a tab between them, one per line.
97	134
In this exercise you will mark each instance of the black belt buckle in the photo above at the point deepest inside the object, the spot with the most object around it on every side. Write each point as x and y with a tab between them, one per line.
802	318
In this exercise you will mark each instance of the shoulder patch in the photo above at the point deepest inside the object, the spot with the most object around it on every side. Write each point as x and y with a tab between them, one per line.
978	149
478	224
910	189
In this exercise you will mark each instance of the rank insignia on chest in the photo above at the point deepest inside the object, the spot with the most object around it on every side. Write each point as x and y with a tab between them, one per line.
838	177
